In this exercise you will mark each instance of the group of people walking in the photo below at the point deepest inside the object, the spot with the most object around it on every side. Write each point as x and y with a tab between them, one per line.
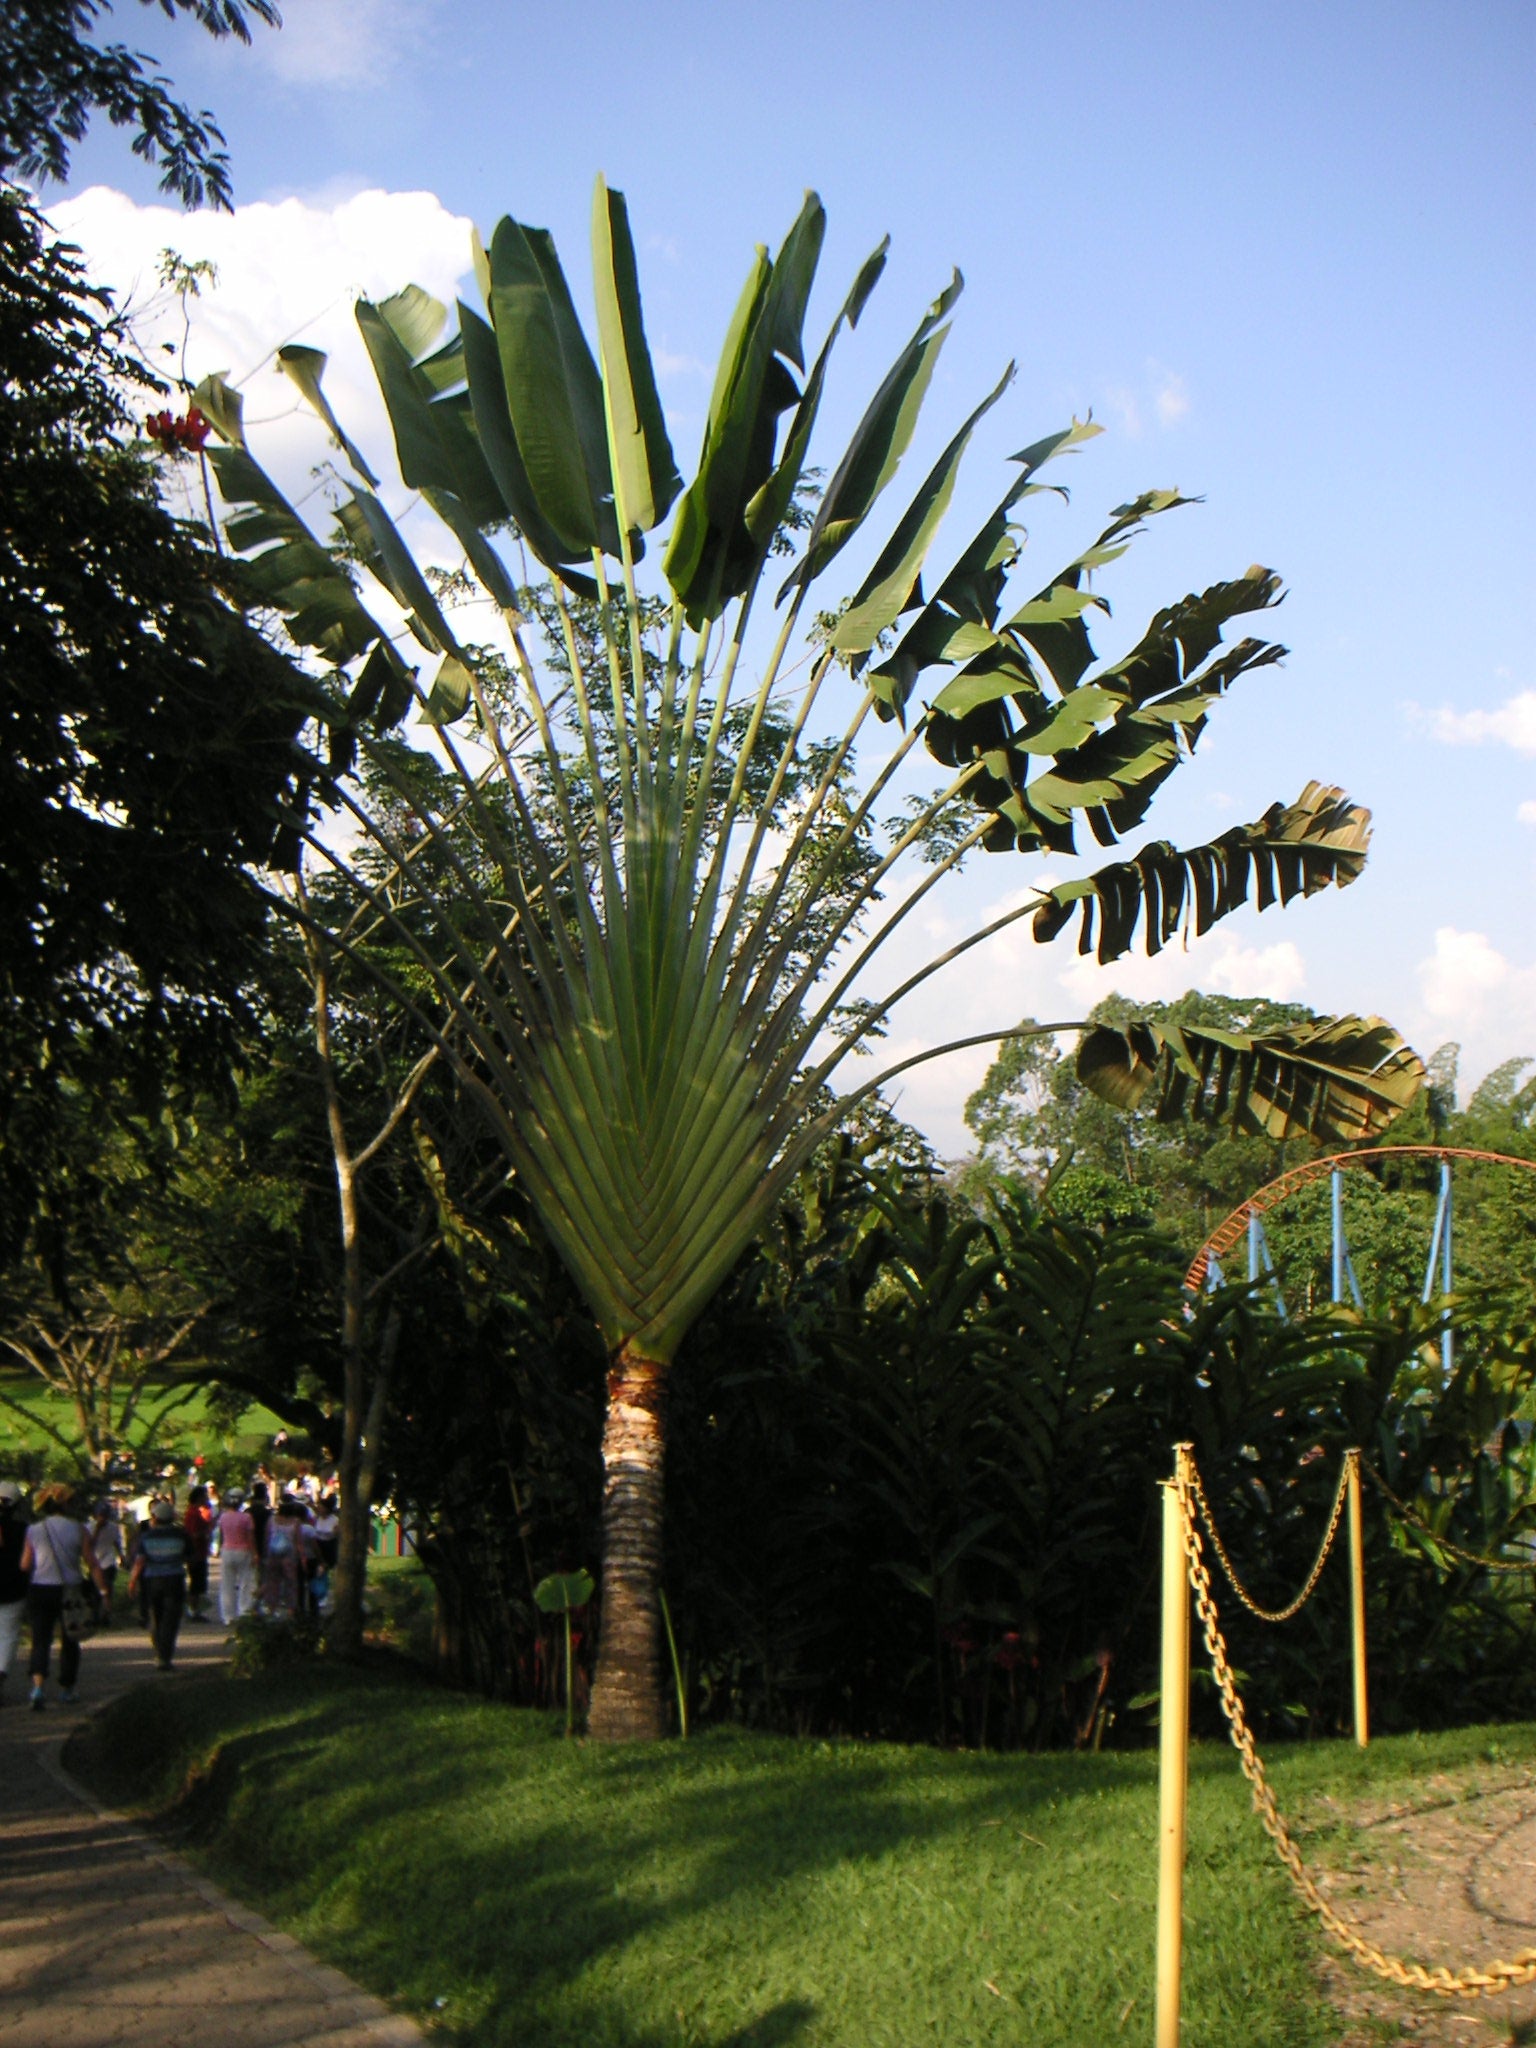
274	1561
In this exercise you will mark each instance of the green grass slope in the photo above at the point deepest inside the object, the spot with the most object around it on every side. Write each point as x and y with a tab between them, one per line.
737	1890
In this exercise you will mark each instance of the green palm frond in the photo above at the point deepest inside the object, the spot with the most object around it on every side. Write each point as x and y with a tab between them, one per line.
640	911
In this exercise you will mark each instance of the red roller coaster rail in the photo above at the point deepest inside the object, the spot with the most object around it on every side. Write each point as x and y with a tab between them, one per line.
1228	1232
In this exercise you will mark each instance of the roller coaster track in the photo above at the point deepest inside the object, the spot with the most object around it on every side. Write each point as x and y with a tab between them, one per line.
1231	1229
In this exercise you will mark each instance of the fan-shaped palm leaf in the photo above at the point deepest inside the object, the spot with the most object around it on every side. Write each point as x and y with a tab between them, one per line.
658	958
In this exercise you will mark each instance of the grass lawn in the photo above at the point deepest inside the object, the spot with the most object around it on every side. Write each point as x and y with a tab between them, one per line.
737	1890
187	1429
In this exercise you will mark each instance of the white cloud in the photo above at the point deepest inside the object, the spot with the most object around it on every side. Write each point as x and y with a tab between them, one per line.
1527	813
288	270
1464	973
1277	971
1122	403
351	44
1511	724
669	365
1171	399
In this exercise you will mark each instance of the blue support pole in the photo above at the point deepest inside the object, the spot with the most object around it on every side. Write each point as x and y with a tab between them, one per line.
1337	1180
1343	1264
1447	1339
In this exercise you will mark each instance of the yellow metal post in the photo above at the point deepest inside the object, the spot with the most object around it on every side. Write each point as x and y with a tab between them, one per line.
1173	1763
1357	1601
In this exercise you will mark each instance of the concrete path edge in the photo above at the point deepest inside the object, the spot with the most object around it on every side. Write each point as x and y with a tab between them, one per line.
341	2002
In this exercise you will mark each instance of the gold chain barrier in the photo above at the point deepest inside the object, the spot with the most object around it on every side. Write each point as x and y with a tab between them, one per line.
1197	1487
1184	1568
1417	1521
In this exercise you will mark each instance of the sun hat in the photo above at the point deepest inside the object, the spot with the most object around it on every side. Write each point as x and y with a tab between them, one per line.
162	1511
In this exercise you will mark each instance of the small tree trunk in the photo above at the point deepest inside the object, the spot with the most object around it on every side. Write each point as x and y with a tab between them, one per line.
627	1696
357	1475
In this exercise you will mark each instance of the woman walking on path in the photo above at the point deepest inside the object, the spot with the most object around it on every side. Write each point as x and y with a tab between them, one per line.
160	1562
13	1580
106	1541
235	1534
280	1571
54	1551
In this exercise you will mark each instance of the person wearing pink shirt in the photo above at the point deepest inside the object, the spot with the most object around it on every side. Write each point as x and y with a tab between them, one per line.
235	1534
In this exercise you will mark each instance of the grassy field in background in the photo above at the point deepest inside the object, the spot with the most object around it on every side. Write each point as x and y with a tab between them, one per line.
737	1890
188	1430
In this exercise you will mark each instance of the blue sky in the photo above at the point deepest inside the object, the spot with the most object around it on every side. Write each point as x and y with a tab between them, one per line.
1286	256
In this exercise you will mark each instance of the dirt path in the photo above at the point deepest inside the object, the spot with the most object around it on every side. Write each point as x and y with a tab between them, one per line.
106	1941
1448	1876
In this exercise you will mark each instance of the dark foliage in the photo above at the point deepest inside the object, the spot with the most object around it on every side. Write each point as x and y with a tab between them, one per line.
913	1480
147	729
54	77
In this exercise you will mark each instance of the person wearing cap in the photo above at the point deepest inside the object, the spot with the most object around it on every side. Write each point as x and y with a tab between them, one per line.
13	1580
160	1563
235	1535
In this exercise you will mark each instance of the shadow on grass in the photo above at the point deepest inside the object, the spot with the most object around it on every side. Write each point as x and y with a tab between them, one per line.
466	1861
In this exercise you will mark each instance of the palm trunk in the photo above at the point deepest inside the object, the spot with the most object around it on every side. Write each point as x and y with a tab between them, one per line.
627	1696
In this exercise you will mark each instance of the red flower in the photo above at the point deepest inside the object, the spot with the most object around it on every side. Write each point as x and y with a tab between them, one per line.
177	436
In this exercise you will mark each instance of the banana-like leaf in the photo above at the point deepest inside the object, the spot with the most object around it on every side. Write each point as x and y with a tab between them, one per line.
879	442
649	1032
959	622
306	367
645	474
395	566
434	437
713	551
1341	1080
553	389
498	445
414	318
298	578
1113	739
222	404
1293	850
766	509
887	591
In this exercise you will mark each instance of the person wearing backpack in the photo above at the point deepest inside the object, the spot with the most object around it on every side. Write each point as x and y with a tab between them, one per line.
52	1556
160	1563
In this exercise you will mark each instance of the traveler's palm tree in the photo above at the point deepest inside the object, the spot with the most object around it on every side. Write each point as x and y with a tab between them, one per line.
632	903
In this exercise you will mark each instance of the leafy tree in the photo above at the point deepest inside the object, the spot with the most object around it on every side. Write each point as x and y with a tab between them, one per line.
148	730
53	77
101	1307
646	1005
1034	1116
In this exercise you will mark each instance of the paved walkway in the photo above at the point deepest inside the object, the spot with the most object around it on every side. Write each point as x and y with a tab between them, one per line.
107	1941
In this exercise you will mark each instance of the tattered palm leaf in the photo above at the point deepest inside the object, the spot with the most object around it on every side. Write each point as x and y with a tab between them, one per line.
1341	1080
1293	850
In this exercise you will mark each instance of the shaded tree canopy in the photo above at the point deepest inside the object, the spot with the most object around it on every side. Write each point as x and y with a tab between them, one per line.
53	78
149	731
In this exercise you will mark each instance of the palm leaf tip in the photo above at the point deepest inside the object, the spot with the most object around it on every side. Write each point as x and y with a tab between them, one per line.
1292	850
1341	1080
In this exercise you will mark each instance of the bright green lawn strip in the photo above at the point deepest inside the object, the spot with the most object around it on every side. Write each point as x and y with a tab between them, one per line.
187	1429
462	1860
